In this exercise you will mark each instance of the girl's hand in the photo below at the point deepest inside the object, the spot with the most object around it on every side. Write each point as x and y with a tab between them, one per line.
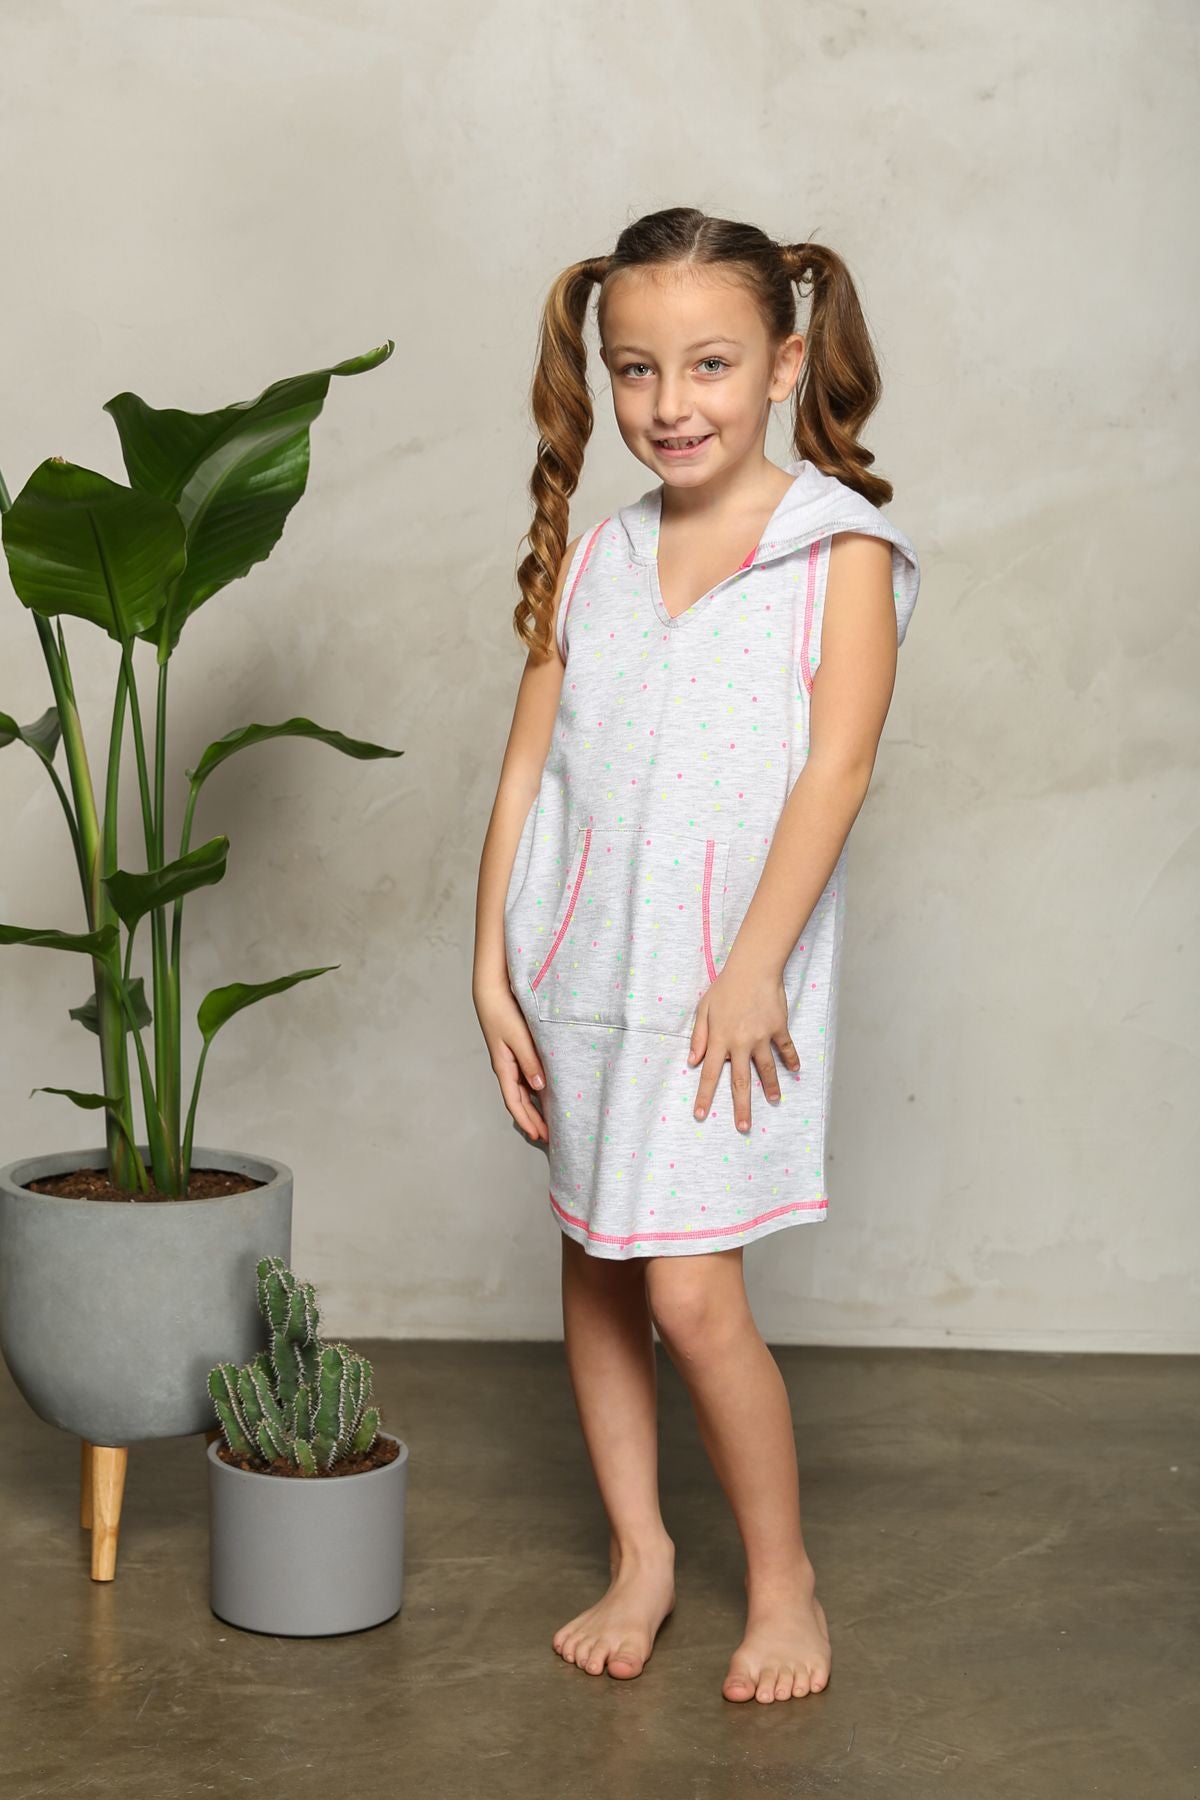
515	1060
740	1016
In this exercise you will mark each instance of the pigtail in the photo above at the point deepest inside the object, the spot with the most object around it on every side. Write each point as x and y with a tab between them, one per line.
839	383
561	404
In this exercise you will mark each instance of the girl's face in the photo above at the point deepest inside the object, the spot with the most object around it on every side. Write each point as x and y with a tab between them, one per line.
689	357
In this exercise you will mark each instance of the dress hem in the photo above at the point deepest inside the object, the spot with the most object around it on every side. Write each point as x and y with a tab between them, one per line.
631	1247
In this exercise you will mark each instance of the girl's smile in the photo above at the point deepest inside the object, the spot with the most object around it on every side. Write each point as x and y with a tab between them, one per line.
679	449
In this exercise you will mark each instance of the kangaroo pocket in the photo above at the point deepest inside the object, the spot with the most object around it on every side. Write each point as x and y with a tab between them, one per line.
638	932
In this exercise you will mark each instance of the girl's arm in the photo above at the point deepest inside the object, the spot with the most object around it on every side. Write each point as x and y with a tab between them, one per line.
744	1012
520	777
509	1040
851	693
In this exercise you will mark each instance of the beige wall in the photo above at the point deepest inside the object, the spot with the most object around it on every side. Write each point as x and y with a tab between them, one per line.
201	199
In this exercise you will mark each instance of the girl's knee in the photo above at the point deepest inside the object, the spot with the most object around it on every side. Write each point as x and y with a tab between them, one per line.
695	1299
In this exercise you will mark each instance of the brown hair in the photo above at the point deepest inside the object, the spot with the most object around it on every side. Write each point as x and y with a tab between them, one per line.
836	393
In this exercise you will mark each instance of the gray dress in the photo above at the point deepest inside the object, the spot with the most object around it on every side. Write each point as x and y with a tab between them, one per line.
674	749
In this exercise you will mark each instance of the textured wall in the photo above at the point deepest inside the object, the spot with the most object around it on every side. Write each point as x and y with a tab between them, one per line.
203	198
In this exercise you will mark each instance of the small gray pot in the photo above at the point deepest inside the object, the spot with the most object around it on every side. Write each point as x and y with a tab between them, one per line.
306	1556
112	1312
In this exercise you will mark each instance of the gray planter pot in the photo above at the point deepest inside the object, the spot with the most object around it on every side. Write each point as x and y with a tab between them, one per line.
306	1556
113	1312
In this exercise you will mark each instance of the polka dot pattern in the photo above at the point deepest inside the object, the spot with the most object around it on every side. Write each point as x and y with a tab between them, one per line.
676	743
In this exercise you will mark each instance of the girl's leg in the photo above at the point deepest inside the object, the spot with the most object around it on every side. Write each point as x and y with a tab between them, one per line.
700	1306
610	1354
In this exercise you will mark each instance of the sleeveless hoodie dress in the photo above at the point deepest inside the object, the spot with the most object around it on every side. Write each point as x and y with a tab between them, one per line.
674	749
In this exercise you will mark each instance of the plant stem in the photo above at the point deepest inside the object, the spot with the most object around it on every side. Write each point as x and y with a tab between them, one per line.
108	865
191	1118
166	1031
176	935
164	1153
98	908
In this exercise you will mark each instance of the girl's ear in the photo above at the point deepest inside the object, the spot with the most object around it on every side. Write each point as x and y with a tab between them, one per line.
788	365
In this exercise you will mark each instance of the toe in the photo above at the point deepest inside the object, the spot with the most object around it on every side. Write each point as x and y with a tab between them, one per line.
801	1683
738	1685
625	1662
766	1683
785	1685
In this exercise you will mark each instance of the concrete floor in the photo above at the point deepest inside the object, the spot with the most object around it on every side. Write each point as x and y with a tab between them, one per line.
1005	1544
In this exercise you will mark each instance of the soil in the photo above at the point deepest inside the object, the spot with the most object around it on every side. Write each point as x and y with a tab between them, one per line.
94	1184
384	1450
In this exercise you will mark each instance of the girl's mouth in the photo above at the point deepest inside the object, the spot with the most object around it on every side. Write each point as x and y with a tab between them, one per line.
679	447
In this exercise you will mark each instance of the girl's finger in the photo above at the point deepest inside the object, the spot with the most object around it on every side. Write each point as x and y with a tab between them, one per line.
739	1081
710	1074
788	1051
699	1033
519	1102
764	1062
537	1127
522	1059
526	1057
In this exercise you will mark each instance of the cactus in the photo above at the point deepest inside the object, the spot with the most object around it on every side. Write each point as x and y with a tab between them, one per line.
303	1400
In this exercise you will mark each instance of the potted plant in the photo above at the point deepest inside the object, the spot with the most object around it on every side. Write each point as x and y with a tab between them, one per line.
306	1493
99	1332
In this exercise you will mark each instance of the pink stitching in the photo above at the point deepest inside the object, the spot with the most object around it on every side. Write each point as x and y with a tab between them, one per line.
805	671
562	624
709	846
587	838
641	1237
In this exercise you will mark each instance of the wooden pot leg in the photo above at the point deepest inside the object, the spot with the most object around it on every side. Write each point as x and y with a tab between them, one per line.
85	1484
108	1490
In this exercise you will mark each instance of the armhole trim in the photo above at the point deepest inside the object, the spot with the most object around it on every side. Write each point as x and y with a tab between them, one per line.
814	601
582	557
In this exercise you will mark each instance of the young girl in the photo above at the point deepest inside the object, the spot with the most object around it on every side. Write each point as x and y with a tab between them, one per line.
662	883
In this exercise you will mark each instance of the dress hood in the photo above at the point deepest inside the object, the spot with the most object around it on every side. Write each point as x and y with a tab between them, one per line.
815	506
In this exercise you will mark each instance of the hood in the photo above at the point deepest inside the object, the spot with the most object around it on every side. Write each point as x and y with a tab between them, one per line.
814	506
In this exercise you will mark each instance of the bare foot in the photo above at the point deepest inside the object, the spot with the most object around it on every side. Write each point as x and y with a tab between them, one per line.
620	1629
786	1649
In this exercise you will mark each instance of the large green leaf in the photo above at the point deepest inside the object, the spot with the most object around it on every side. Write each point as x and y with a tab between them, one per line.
93	943
221	1004
257	734
89	1013
135	895
90	1101
42	736
79	543
234	474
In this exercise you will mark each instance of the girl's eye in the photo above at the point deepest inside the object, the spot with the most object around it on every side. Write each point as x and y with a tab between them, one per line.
628	368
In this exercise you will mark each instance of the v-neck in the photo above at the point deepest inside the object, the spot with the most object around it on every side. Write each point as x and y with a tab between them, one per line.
654	522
